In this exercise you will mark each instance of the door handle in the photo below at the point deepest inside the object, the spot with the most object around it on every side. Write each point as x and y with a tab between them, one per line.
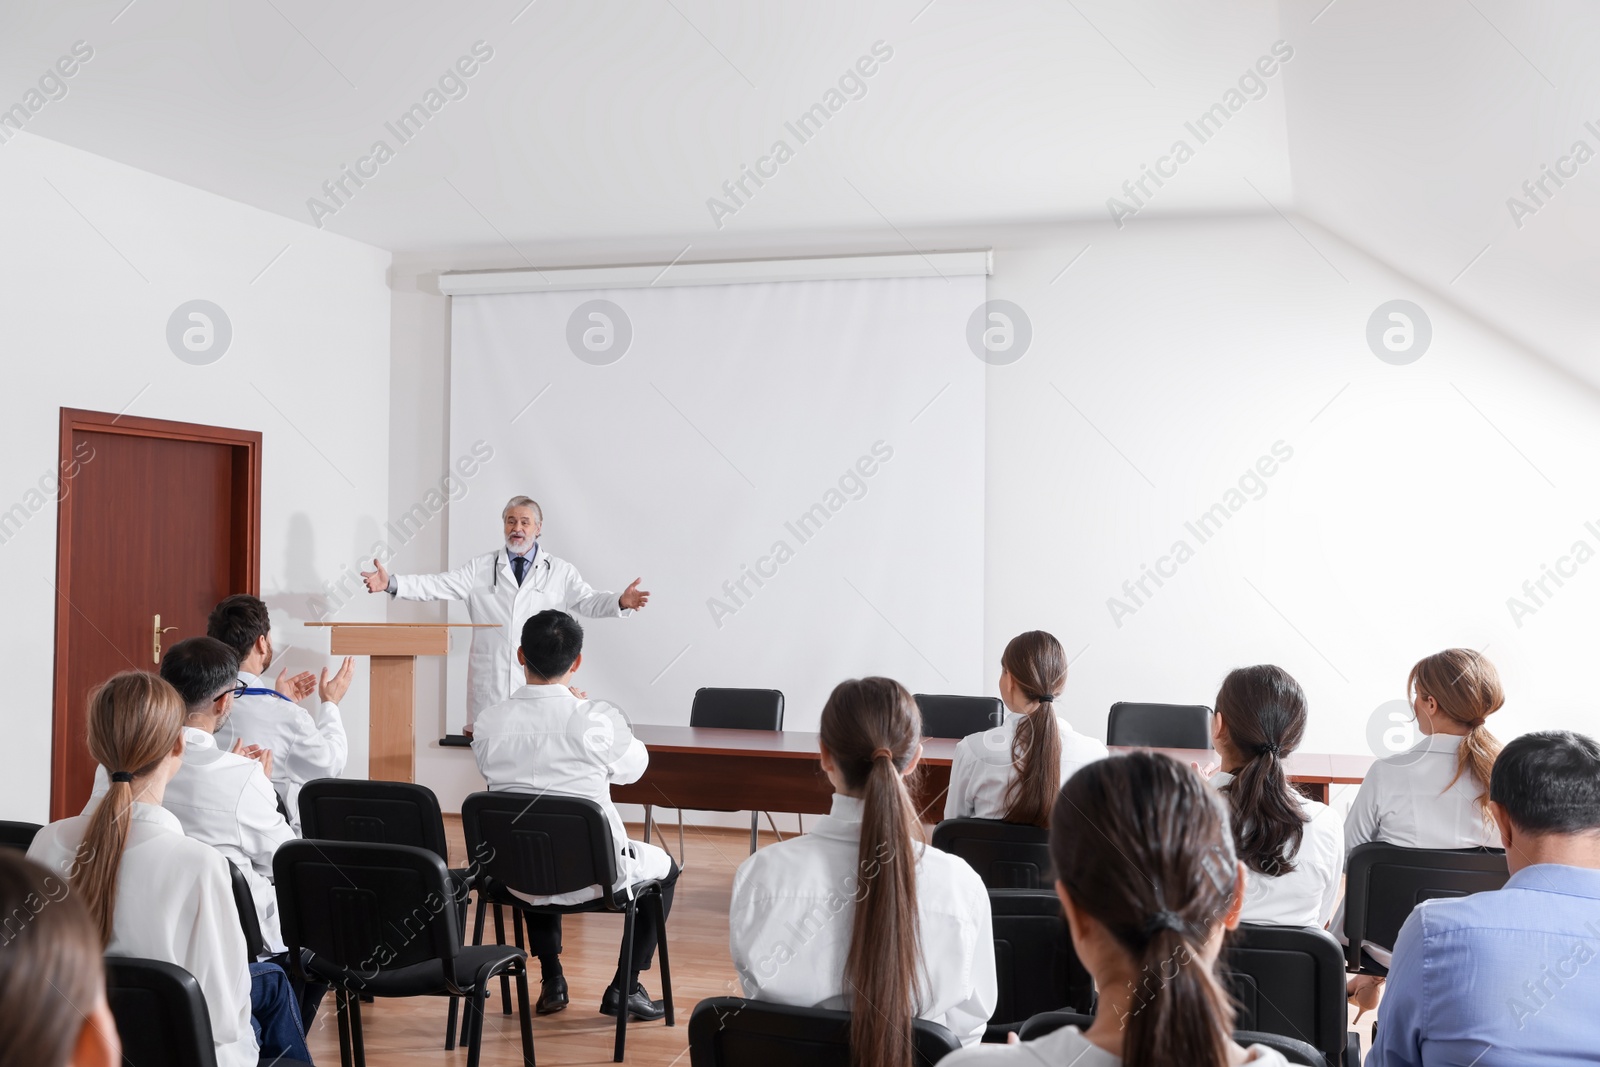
155	640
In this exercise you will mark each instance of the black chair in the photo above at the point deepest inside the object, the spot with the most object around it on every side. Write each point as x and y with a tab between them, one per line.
1290	980
18	835
160	1012
1292	1049
381	920
1006	855
734	1032
544	845
1036	967
1384	882
957	716
1159	725
391	813
249	920
729	709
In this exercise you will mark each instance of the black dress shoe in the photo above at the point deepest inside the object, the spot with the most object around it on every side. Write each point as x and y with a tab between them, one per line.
640	1006
552	995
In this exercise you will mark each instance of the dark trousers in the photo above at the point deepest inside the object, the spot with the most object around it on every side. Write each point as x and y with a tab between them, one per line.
544	931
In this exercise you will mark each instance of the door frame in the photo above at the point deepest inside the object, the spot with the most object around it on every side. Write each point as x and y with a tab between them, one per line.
244	566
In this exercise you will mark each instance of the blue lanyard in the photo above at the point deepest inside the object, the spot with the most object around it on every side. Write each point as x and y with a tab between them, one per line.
254	691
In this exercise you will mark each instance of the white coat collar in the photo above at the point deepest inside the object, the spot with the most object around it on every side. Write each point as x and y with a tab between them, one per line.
843	821
541	692
1437	743
154	814
249	679
196	738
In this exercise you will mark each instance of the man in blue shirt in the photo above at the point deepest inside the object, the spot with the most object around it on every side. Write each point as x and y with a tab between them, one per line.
1512	976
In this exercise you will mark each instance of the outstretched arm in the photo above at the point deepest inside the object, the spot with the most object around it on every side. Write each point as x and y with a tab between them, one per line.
447	585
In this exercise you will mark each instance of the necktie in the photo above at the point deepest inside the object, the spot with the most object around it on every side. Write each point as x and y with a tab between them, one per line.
519	567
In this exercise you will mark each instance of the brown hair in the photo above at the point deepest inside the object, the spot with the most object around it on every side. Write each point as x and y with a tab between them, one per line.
871	729
1143	847
51	971
1466	687
1038	665
135	720
1264	709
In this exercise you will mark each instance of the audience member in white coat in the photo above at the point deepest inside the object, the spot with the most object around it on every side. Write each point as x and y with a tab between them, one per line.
154	893
304	745
550	738
1149	884
505	588
221	798
859	913
1292	847
1013	771
1435	795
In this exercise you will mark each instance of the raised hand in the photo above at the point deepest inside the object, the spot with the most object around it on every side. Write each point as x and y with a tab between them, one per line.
332	688
633	596
296	687
579	693
378	580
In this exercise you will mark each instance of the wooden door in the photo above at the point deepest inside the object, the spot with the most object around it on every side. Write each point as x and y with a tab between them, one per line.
157	520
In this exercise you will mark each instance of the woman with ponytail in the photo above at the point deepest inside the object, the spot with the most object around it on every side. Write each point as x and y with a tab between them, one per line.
1013	771
859	913
1292	847
150	891
1149	883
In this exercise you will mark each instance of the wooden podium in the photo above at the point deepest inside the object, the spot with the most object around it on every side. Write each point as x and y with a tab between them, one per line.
393	648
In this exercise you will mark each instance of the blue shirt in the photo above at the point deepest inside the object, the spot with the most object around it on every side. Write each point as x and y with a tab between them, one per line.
1492	979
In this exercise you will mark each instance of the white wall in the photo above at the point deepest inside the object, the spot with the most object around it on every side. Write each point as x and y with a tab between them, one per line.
96	256
1414	504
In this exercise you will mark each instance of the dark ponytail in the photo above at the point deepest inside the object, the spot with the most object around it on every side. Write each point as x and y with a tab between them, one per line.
1143	847
1038	665
870	729
1264	710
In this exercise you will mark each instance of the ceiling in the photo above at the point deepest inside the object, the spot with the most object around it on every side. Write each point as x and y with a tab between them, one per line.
1403	128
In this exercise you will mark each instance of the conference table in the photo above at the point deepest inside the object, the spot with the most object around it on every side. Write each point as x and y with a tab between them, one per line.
760	770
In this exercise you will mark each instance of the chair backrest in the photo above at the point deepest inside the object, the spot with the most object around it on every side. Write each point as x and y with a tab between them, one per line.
1292	1048
1288	980
734	1032
160	1012
1385	882
1036	967
249	920
365	907
18	835
539	844
388	813
957	716
737	709
1006	855
1159	725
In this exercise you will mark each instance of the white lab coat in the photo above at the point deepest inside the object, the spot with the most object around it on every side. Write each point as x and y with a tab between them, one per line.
545	740
489	587
1307	895
981	771
305	745
225	801
174	903
793	907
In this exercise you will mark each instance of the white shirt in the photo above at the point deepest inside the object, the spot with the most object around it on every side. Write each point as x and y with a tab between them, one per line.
1307	895
794	904
982	771
545	740
490	589
1407	800
174	903
1067	1047
225	801
304	746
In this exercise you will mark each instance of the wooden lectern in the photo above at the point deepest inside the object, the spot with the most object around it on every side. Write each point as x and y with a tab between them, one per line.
393	648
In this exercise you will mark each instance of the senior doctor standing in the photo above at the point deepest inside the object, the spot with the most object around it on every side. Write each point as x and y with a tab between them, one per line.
505	587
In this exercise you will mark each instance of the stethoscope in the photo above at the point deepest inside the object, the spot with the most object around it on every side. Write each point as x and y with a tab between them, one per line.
539	561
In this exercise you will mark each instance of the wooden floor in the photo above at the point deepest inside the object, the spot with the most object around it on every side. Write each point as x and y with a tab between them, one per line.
411	1032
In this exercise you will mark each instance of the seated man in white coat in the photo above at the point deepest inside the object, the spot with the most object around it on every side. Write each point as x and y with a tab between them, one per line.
223	798
503	589
550	738
305	745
